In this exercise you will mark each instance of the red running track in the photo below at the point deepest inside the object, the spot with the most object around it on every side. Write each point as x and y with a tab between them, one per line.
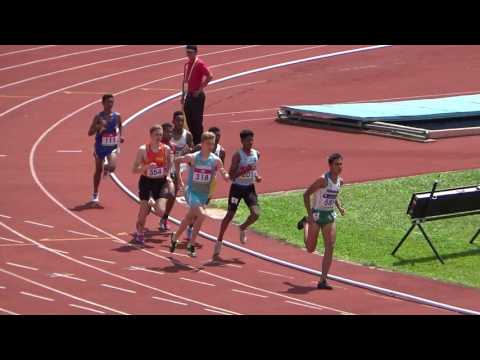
96	272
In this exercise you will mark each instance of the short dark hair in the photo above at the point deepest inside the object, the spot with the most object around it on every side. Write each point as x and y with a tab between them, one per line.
167	125
245	133
192	47
214	129
333	157
106	97
178	113
155	127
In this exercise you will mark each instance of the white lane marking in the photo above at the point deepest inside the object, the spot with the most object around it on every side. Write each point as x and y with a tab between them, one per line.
218	312
84	66
234	265
249	293
168	300
69	151
61	292
116	74
11	240
86	308
36	296
198	282
59	57
22	266
168	252
255	119
275	274
8	311
3	155
235	86
9	245
304	305
232	113
79	233
61	251
5	216
68	276
119	288
141	268
25	50
387	298
96	259
158	89
38	224
75	239
2	287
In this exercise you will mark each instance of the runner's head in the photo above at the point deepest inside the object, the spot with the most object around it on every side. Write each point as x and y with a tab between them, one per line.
246	137
107	102
167	131
217	133
208	142
192	51
178	120
156	134
335	161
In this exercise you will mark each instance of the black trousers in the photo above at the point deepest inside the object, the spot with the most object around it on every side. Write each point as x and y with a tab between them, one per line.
193	109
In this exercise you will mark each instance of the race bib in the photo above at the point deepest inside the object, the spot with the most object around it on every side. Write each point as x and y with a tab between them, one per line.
109	140
329	202
249	174
203	176
155	171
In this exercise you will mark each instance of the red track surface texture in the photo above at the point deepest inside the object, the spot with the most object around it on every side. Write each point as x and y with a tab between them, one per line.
57	261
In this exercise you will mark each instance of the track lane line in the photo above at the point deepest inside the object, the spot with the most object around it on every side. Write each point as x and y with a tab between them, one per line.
26	50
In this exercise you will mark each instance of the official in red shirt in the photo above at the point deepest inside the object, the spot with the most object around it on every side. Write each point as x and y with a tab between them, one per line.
196	77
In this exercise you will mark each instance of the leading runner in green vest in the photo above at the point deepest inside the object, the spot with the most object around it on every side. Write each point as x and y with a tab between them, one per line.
321	214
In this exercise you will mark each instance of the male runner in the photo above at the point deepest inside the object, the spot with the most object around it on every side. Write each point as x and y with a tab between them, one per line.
153	162
243	172
107	128
203	166
322	215
221	153
182	143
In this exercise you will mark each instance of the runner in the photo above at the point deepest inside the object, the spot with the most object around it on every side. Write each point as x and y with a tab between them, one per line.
322	216
153	162
107	128
220	152
182	143
243	172
203	166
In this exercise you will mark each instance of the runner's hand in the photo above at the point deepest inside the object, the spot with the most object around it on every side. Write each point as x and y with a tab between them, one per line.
122	140
310	219
258	179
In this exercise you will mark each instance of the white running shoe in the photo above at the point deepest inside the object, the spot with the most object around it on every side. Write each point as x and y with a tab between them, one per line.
243	237
96	198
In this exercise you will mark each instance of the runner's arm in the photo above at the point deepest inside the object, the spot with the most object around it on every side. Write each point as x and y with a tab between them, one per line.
189	143
234	166
338	203
94	127
318	184
222	155
120	128
138	166
222	170
258	178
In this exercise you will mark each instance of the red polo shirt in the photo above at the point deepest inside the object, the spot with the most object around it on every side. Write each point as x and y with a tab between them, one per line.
195	78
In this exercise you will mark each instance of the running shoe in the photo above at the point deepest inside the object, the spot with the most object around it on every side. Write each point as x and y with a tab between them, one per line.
163	225
243	237
191	250
96	198
140	238
173	243
301	223
323	285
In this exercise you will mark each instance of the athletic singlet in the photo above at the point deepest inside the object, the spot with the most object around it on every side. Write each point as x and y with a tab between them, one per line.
202	173
109	137
218	149
324	198
180	144
247	178
159	158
